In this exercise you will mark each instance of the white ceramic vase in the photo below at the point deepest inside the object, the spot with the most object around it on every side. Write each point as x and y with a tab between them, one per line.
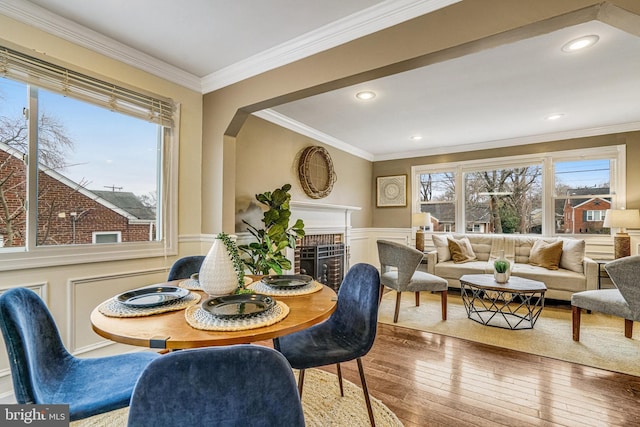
217	275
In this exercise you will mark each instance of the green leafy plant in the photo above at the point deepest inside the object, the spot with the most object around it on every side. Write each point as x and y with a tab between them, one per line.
501	266
266	253
238	264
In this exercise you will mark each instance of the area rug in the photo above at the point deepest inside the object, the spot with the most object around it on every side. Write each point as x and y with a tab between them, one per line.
321	401
602	341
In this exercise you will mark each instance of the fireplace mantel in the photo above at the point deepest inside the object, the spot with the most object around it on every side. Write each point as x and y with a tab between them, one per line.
322	218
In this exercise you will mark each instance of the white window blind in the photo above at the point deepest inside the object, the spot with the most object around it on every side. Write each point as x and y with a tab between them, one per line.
30	70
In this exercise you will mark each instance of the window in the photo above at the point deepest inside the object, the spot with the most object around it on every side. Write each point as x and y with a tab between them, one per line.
106	237
583	193
82	162
504	200
437	195
564	192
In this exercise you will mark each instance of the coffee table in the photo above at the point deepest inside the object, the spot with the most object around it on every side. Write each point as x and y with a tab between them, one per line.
516	304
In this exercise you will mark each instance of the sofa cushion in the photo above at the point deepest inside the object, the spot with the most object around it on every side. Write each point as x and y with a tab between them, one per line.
545	254
461	250
451	270
561	279
442	247
572	255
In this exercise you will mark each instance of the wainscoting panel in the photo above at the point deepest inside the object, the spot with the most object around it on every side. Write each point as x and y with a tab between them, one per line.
86	293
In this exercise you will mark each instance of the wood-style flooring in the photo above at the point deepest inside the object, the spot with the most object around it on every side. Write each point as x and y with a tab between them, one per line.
434	380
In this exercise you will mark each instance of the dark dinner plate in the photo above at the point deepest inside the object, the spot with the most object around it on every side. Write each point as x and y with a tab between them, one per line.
152	296
287	281
237	306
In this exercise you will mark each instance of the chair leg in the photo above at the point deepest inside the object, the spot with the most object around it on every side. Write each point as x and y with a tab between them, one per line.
628	328
443	303
395	316
417	299
366	392
340	379
300	382
575	321
381	293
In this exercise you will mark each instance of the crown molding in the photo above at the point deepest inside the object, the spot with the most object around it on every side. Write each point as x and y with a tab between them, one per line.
42	19
288	123
509	142
359	24
367	21
301	128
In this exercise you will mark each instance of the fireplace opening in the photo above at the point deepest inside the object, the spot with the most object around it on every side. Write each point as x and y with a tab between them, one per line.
322	257
325	263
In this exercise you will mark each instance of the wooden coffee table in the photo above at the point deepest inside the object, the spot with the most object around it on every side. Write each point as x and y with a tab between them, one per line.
516	304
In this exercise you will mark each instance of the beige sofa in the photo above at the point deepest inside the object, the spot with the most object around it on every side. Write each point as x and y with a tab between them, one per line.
576	272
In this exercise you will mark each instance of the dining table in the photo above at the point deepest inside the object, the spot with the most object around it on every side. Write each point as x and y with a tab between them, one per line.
170	330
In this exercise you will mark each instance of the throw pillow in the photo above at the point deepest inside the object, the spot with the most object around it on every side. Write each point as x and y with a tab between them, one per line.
461	250
572	255
547	255
442	247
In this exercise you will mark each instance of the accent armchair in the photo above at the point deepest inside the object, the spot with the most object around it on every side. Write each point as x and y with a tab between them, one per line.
624	301
399	271
44	372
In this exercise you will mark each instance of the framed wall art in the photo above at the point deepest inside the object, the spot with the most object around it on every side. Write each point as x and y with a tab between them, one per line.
391	191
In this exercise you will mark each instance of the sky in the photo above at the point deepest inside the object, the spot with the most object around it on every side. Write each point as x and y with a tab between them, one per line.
110	149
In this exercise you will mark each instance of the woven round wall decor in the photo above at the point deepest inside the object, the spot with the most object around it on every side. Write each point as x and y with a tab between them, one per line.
315	171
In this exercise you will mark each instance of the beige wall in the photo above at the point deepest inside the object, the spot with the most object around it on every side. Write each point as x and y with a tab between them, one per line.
72	291
398	48
267	157
401	217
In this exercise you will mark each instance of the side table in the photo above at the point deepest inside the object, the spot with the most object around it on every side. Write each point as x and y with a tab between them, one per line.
602	273
516	304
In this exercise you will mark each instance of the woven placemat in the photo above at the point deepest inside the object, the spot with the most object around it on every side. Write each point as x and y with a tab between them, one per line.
191	284
113	308
262	288
202	319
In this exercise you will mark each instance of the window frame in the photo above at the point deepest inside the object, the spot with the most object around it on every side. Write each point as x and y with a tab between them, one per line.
617	153
33	256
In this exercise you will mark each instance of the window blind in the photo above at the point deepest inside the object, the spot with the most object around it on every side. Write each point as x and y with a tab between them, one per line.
30	70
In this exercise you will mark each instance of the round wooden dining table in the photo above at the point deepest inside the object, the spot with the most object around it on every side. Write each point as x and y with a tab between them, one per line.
170	330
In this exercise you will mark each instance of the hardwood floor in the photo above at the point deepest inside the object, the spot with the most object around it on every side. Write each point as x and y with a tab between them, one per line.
434	380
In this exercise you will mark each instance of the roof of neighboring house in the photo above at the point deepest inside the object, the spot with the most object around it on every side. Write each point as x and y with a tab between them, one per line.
127	201
586	191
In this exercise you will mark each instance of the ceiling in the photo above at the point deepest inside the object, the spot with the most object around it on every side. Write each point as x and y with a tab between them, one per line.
490	98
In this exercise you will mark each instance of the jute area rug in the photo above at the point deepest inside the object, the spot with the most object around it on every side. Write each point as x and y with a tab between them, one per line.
602	341
321	402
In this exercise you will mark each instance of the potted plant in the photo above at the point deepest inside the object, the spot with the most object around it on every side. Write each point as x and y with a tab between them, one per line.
266	253
501	267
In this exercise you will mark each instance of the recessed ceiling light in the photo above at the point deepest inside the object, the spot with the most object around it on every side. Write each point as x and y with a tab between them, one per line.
554	116
366	95
580	43
415	137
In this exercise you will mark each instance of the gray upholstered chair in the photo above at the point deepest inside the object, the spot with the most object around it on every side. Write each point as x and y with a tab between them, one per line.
399	271
624	301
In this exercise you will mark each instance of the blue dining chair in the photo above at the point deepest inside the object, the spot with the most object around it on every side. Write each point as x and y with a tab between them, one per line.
346	335
184	267
44	372
239	385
